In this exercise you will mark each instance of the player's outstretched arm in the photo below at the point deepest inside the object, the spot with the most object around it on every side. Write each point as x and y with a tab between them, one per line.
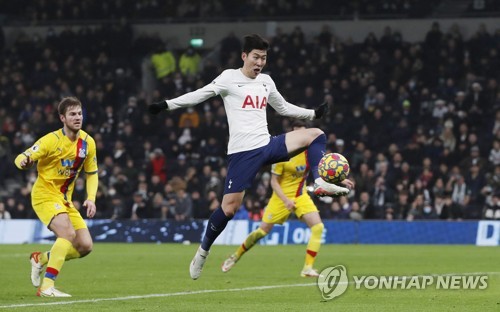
321	110
157	107
189	99
23	162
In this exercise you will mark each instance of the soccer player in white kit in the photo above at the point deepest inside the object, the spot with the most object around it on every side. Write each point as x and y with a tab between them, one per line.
246	93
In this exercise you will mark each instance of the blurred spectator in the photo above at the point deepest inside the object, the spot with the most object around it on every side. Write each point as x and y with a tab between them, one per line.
189	119
189	62
491	209
380	196
494	154
139	208
255	210
230	49
355	213
183	207
474	158
4	214
164	62
475	183
459	194
157	165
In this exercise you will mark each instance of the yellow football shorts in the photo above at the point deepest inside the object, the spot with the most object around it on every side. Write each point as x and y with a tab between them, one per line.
276	212
46	211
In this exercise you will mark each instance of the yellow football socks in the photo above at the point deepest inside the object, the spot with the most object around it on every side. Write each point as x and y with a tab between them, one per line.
251	239
44	257
72	253
314	244
58	255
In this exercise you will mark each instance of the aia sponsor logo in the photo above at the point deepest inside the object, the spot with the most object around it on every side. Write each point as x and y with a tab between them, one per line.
255	102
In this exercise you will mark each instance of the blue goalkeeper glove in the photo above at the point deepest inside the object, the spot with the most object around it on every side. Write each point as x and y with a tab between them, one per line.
321	110
157	107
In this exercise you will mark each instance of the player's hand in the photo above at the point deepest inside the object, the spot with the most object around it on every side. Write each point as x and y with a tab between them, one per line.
348	183
26	163
321	110
91	209
290	205
157	107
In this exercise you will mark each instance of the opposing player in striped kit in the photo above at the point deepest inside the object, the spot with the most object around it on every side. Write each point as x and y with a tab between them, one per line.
60	156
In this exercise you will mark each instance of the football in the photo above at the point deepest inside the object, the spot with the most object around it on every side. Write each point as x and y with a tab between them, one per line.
333	168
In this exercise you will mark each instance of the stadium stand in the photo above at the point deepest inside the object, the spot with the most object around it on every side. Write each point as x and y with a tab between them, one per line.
419	121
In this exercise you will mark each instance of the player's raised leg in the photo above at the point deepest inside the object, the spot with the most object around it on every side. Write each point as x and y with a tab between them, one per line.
313	221
249	242
314	141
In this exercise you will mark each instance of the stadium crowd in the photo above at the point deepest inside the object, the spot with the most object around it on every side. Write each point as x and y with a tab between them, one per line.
42	12
418	121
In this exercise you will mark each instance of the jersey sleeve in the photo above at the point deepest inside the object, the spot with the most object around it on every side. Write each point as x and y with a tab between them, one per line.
282	107
38	150
277	168
216	87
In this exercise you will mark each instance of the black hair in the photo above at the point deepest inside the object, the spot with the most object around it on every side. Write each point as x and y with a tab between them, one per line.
254	42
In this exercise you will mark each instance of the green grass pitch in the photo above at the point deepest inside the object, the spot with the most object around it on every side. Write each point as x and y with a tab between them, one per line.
155	277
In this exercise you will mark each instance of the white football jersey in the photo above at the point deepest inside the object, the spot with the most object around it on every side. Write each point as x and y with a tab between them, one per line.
245	100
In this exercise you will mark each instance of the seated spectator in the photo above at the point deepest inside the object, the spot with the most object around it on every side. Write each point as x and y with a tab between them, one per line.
492	207
139	208
4	214
183	206
355	213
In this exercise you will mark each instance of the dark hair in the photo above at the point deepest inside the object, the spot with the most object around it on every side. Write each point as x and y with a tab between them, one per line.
66	103
254	42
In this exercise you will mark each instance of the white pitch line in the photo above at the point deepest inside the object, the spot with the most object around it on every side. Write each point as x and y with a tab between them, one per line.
206	291
182	293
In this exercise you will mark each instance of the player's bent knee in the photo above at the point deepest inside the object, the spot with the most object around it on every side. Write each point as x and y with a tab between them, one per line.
316	132
266	227
231	203
68	233
229	213
85	248
318	228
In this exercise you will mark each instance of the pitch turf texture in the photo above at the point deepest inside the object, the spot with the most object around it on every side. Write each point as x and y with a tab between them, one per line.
150	277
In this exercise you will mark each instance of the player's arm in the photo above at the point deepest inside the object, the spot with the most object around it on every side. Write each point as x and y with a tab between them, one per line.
193	98
187	100
275	184
92	178
23	161
26	159
89	203
284	108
